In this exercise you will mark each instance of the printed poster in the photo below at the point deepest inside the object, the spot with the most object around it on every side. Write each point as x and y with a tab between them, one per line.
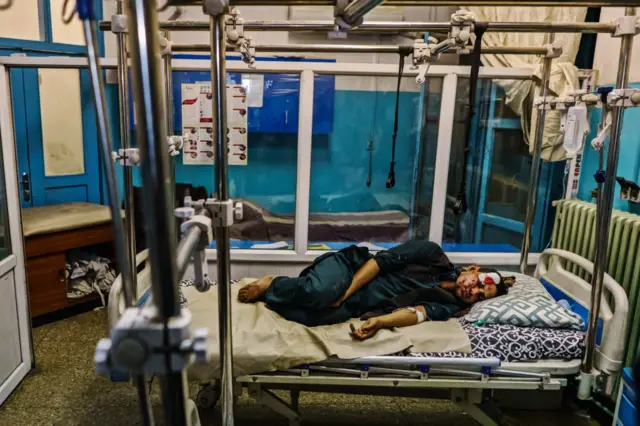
197	124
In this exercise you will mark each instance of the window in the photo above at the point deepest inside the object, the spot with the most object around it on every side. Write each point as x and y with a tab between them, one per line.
21	21
70	33
351	155
61	108
497	173
31	26
263	155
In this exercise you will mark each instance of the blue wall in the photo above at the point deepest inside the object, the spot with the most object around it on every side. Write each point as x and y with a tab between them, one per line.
629	162
340	160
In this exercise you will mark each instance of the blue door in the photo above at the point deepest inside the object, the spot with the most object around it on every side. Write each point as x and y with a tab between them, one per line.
42	156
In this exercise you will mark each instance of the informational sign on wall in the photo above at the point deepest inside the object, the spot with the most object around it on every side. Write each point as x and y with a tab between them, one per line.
197	124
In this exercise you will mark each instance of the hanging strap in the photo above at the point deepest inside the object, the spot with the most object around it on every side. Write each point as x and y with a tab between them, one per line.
391	179
479	29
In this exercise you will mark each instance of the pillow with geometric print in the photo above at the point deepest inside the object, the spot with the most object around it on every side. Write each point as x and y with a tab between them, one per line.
527	304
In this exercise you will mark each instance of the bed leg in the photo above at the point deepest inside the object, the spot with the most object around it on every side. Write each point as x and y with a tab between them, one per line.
268	399
295	399
472	403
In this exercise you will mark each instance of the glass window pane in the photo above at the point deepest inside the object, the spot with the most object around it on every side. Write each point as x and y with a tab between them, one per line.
351	156
70	33
61	108
21	21
263	156
497	175
509	179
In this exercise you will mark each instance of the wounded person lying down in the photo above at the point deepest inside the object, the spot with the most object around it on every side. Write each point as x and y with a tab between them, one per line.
403	286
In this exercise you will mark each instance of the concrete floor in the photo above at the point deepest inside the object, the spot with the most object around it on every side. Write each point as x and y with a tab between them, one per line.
64	390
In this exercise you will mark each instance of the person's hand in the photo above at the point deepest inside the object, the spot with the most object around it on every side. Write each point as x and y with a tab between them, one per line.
366	331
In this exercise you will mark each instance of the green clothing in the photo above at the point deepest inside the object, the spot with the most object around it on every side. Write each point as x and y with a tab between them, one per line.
307	299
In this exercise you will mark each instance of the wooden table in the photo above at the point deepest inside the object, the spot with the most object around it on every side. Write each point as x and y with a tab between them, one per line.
50	232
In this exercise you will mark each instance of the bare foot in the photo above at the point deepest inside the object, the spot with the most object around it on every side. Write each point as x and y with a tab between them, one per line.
254	291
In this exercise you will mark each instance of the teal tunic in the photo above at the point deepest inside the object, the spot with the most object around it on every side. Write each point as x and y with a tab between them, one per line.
307	299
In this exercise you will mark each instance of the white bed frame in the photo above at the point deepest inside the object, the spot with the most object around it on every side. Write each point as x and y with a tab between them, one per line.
468	382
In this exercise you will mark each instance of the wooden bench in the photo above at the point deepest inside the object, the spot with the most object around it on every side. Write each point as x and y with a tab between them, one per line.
49	233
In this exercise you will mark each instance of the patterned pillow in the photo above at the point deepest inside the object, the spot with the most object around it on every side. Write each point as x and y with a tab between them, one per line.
528	304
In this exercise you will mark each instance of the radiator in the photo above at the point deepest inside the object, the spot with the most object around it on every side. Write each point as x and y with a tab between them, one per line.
574	230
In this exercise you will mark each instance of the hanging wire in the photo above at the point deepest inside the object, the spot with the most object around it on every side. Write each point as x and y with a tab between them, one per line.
66	16
6	5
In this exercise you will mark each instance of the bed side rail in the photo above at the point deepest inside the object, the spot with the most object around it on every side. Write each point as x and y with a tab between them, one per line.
116	295
552	266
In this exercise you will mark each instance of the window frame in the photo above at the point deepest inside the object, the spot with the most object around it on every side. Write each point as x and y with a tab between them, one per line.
307	71
46	44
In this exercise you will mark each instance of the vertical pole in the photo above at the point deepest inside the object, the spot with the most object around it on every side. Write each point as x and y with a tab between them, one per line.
443	157
125	141
534	180
605	201
168	88
303	173
106	146
159	221
219	113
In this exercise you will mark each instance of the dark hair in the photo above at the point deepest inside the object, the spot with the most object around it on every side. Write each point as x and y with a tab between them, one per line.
502	288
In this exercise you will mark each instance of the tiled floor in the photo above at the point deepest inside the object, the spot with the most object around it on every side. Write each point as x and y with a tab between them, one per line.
64	390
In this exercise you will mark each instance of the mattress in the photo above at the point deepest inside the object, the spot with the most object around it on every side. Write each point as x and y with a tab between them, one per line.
511	343
506	342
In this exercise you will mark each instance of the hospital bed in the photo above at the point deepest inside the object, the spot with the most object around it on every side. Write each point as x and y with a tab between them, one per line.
469	381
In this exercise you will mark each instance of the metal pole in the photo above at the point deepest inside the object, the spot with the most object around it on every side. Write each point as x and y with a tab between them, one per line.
510	3
355	11
219	113
187	245
605	201
120	238
168	89
160	223
392	27
125	141
355	48
534	179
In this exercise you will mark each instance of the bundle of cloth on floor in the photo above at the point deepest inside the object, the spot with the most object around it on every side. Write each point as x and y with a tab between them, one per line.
87	273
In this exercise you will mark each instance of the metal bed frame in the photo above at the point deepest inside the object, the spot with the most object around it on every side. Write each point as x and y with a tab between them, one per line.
151	117
470	381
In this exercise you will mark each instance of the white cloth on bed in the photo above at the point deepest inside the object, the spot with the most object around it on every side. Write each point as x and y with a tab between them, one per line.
264	341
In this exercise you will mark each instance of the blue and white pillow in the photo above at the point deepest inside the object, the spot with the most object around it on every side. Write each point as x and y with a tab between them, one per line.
527	304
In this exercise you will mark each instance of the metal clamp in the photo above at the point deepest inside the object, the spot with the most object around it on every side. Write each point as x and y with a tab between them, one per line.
166	46
544	102
626	25
422	57
234	31
554	50
341	24
461	27
486	373
222	212
137	345
364	371
175	144
424	372
214	7
624	97
119	24
126	157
